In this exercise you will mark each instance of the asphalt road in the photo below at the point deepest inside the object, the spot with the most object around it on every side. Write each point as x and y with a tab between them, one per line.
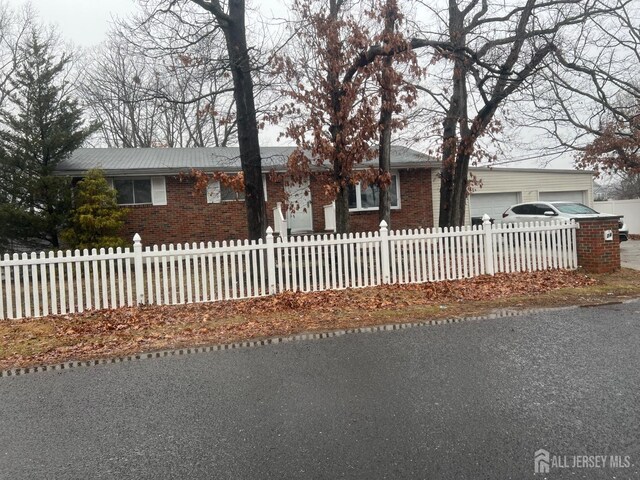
460	401
630	254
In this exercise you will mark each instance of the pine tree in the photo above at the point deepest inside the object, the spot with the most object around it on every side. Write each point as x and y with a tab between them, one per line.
96	217
41	126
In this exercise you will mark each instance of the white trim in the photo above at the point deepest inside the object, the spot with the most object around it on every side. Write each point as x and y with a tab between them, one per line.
359	208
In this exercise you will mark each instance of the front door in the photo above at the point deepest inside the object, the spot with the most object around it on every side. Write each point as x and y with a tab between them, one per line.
299	213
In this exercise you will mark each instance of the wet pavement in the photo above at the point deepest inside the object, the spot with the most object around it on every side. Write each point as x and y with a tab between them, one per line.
630	254
470	400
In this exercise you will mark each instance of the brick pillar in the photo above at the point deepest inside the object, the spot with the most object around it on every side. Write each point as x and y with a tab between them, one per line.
595	254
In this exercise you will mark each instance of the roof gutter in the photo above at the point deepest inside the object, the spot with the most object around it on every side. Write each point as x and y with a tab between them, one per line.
146	172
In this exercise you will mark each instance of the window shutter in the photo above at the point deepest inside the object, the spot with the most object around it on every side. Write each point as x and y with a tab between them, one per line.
158	191
213	192
264	186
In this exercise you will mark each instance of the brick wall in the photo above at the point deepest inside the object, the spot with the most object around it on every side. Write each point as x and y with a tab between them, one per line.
188	217
595	255
416	210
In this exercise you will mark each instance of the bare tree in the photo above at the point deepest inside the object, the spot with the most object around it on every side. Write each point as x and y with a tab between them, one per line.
626	187
590	102
486	52
113	90
232	23
181	25
14	27
174	99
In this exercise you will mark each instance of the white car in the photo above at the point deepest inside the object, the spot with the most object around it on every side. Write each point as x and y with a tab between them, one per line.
546	211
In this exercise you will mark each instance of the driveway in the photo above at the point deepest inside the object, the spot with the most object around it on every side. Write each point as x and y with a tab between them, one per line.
630	254
465	400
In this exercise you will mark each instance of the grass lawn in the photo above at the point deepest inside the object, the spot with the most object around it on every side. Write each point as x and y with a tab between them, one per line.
125	331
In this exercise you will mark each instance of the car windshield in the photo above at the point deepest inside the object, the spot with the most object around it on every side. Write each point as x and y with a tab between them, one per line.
575	208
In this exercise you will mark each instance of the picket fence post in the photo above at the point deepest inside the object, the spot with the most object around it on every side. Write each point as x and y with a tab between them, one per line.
384	252
488	244
271	262
138	270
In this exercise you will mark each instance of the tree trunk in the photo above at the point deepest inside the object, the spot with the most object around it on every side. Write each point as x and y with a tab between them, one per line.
386	112
384	164
459	194
342	199
336	129
447	173
456	115
342	210
235	36
446	196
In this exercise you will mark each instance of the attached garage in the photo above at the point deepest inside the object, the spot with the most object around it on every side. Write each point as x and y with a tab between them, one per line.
499	188
570	196
493	204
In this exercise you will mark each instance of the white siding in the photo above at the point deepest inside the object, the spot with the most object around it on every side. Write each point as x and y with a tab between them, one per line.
569	196
527	183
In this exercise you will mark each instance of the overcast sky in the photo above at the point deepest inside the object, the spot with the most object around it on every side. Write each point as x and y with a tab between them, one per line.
86	22
83	22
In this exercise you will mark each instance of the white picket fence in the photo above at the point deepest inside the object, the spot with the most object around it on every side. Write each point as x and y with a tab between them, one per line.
66	282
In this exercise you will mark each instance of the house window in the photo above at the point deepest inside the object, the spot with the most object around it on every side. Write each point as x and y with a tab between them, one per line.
218	192
228	194
133	191
140	190
369	198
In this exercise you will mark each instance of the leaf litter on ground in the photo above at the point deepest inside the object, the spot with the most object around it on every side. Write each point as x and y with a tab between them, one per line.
127	330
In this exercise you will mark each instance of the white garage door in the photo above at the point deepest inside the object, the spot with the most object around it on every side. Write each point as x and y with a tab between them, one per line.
493	204
571	196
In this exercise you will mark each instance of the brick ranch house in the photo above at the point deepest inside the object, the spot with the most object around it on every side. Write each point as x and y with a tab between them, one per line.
164	206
